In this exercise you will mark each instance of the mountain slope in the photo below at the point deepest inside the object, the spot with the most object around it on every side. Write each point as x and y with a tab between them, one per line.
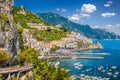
56	19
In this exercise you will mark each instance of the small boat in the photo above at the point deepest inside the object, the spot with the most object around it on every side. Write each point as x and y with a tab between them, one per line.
99	78
103	71
113	67
100	68
74	77
78	65
109	73
82	75
57	63
87	70
75	64
116	73
110	70
78	68
115	76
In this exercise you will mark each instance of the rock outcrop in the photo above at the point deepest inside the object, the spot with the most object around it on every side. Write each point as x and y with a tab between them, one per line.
9	38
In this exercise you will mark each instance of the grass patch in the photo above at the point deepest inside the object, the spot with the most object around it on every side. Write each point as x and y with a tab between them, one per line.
28	18
48	35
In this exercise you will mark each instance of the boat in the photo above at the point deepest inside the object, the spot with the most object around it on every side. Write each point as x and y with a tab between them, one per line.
87	70
110	70
57	63
103	71
78	65
100	68
116	73
113	67
82	75
75	64
78	68
115	76
109	73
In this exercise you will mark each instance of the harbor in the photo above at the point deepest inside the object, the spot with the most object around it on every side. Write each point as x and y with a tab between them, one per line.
106	69
65	54
75	57
107	72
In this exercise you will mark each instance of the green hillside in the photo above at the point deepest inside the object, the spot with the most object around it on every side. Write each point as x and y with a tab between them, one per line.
86	30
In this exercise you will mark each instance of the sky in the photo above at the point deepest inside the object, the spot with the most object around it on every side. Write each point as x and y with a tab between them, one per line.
96	13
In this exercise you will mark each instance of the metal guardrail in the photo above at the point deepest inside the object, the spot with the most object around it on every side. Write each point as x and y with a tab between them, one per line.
15	69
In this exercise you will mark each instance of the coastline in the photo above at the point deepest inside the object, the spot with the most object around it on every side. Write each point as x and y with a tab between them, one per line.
87	47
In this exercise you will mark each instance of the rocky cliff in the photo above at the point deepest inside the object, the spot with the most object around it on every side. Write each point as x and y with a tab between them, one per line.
9	38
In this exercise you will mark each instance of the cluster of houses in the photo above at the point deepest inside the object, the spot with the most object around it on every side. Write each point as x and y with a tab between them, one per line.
71	41
40	46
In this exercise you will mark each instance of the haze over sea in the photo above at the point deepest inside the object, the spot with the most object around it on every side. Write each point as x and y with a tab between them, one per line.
110	46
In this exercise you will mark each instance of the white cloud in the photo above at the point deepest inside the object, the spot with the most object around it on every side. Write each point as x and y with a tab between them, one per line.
107	5
108	14
88	8
77	17
109	25
118	25
85	11
109	2
58	9
74	17
85	15
62	10
113	28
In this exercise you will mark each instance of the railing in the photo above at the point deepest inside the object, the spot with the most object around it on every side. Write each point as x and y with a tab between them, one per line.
15	69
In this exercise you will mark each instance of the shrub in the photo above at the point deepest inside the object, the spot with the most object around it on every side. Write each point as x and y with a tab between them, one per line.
4	17
80	43
4	57
55	48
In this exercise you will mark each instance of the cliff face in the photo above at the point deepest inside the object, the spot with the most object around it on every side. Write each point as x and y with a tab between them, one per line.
9	38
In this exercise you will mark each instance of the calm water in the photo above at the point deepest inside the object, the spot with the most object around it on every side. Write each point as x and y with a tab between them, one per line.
110	46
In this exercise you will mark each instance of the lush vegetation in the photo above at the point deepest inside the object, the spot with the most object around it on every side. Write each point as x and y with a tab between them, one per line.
48	35
20	30
28	17
86	30
4	17
4	57
80	43
28	55
55	48
42	70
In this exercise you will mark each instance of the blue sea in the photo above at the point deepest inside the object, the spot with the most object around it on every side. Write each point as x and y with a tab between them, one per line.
110	46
